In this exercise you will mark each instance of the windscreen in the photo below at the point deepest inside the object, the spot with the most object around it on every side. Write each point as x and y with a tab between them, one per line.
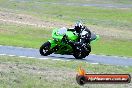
62	31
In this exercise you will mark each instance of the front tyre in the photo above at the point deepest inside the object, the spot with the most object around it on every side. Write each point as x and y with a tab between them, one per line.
45	49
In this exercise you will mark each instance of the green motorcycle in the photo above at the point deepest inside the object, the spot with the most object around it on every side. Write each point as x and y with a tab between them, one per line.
57	46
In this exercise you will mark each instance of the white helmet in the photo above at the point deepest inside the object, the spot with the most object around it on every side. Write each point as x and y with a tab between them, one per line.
78	27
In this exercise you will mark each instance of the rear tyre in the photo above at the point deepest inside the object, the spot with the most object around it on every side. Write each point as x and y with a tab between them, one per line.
88	49
45	49
82	54
78	55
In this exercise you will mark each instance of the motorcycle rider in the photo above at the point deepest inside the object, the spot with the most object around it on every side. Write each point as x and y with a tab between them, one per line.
83	33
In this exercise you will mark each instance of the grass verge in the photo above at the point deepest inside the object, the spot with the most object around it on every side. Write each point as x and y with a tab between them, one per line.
28	73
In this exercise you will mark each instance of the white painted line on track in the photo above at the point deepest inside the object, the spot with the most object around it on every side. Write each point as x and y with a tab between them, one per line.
94	63
11	55
38	58
43	58
33	57
30	57
22	56
67	60
62	60
56	59
3	54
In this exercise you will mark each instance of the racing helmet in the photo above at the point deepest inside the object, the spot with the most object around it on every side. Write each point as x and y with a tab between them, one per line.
78	27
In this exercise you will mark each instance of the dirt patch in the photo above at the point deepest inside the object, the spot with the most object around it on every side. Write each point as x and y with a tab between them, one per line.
3	30
24	19
112	33
7	31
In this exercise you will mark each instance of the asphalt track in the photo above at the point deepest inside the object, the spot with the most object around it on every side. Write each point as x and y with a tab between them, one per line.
34	53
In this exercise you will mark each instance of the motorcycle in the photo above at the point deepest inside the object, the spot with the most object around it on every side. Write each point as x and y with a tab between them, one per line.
57	46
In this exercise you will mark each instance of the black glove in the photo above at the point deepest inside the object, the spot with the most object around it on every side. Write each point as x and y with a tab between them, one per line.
65	39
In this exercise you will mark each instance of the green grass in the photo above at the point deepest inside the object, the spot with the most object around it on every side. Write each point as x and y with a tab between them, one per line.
34	37
112	47
26	36
33	73
106	17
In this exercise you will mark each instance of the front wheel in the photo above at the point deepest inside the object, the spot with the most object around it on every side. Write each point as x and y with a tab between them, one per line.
45	49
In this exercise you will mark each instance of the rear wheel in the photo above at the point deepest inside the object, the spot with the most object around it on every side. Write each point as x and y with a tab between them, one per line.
45	49
79	54
88	49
